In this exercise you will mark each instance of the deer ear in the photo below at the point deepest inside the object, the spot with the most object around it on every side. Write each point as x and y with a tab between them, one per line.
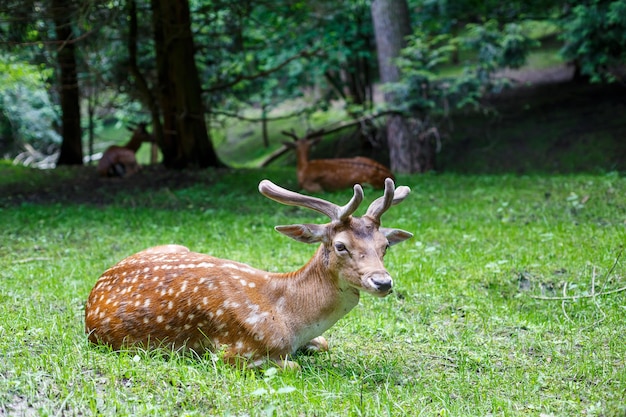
395	235
307	233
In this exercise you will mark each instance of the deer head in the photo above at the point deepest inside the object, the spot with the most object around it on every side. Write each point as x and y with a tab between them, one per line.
354	247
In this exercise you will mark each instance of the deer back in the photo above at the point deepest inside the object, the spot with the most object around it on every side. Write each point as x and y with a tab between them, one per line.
334	174
340	173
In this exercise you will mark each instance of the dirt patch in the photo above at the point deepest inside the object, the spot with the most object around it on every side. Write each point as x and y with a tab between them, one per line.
541	126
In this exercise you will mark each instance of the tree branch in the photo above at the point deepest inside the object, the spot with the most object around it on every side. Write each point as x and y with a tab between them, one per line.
261	74
320	132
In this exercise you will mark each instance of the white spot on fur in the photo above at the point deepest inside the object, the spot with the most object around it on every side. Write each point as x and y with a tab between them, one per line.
241	268
255	318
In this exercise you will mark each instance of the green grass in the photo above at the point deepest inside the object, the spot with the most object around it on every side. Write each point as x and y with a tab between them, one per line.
463	334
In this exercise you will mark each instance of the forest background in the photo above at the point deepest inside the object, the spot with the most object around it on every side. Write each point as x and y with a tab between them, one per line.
214	78
508	301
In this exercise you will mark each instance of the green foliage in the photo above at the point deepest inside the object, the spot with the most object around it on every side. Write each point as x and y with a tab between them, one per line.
594	37
488	49
498	48
27	113
474	327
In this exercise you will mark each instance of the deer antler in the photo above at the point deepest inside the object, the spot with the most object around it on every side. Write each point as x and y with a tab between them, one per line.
333	211
390	197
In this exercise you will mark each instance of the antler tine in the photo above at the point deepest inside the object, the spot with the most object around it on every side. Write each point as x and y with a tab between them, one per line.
389	198
344	212
276	193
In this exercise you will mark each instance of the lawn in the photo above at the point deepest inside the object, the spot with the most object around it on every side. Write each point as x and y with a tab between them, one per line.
508	301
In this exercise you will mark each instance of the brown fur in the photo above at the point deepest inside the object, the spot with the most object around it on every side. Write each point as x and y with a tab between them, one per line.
336	174
120	161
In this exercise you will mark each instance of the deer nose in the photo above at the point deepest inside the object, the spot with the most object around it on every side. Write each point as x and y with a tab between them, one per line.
379	281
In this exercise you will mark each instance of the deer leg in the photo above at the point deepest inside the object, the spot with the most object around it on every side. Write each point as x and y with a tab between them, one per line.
318	344
118	170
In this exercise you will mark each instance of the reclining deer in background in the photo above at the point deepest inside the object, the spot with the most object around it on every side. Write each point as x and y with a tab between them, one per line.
334	174
120	161
168	296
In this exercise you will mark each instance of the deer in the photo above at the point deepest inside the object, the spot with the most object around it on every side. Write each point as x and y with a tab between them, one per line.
334	174
120	161
170	297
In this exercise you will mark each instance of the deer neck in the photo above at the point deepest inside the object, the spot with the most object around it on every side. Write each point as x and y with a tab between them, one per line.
302	156
134	143
311	299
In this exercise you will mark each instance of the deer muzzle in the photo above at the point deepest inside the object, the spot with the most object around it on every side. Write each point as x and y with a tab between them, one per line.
378	283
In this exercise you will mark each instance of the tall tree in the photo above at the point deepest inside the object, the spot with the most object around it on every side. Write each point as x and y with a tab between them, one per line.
71	147
391	26
185	136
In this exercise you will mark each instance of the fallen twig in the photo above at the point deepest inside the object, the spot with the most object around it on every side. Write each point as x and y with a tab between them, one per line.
26	260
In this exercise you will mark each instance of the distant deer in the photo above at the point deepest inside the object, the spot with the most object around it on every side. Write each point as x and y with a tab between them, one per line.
334	174
120	161
168	296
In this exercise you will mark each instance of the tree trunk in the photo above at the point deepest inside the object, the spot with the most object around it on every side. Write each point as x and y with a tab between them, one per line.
142	84
407	154
71	146
185	137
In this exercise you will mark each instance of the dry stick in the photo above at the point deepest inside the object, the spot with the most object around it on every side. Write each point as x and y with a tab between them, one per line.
595	299
563	302
593	294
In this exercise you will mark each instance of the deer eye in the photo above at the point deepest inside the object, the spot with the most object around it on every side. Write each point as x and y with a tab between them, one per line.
340	247
385	249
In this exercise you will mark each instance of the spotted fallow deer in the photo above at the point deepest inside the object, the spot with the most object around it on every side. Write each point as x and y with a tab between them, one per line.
168	296
334	174
120	161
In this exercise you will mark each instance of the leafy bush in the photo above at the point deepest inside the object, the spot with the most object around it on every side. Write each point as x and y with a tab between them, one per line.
594	38
27	114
